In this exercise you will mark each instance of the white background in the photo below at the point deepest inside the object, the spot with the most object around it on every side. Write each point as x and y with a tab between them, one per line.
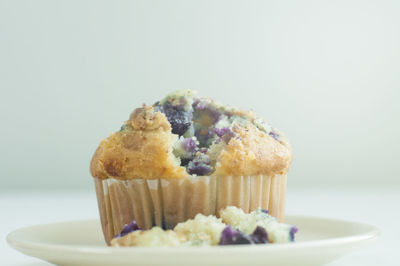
327	73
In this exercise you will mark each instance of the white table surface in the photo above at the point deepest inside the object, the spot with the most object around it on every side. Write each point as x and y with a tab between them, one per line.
379	207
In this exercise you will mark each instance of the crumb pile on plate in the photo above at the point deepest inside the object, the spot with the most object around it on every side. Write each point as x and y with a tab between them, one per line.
234	227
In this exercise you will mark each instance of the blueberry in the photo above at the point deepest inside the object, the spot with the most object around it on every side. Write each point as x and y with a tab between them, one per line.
264	211
178	117
128	228
185	161
198	169
259	236
231	236
292	232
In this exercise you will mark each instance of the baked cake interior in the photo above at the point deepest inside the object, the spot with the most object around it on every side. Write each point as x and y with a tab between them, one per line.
204	128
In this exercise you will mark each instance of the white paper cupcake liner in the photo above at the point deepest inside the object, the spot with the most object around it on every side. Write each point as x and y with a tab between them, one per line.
166	202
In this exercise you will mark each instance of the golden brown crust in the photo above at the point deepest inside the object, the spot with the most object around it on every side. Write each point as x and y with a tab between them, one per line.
142	151
244	113
146	119
254	153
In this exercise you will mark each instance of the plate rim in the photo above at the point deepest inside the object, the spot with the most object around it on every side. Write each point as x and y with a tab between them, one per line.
372	234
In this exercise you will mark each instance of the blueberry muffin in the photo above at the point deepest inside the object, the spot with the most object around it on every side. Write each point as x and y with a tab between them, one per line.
186	155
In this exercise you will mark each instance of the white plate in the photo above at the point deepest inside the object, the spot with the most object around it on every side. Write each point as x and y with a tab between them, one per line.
318	241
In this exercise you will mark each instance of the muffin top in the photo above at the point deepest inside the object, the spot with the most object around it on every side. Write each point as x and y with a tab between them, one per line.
184	135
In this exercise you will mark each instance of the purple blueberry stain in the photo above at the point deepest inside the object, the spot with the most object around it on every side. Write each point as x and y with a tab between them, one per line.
200	165
198	104
202	108
128	228
274	135
292	232
190	145
221	131
225	134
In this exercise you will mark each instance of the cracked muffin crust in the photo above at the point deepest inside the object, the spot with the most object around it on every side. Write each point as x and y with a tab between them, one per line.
183	135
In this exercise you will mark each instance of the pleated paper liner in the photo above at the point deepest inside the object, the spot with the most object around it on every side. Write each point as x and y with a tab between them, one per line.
166	202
